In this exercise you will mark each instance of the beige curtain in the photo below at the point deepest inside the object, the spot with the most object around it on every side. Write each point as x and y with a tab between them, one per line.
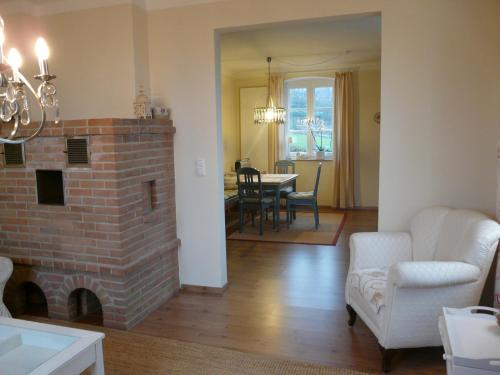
343	158
274	137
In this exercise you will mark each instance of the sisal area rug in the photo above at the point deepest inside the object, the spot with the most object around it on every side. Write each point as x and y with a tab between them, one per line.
301	231
127	353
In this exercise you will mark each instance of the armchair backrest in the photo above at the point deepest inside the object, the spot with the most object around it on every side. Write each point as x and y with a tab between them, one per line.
445	234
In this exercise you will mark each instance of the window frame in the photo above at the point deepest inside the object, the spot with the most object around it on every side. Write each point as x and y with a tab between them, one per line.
310	83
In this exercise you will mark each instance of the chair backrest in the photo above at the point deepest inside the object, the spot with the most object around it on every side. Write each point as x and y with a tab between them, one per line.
249	183
284	167
445	234
243	163
316	184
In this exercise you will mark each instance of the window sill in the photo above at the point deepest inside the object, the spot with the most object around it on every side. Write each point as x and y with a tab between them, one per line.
312	158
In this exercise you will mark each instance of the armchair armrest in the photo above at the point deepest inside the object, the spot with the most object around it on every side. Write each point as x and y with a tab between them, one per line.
432	274
379	249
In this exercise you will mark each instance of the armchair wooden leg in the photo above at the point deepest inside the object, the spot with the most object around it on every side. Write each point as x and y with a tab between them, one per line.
387	356
352	315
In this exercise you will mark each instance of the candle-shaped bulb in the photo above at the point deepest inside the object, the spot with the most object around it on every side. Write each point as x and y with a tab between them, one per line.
15	62
42	53
41	48
15	59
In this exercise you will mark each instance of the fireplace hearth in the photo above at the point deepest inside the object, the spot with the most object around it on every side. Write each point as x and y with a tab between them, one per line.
93	236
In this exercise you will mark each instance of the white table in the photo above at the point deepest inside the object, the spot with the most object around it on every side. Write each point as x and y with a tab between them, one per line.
30	348
471	341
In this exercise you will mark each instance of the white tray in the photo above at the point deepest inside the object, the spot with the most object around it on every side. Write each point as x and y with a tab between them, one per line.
471	340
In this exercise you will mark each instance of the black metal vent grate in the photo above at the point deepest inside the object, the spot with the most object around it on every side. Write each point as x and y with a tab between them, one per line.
13	154
77	150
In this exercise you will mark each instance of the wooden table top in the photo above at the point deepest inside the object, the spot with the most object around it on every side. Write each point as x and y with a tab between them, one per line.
274	179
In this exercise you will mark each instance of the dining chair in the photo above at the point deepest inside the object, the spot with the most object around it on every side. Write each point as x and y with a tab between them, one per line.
304	199
251	197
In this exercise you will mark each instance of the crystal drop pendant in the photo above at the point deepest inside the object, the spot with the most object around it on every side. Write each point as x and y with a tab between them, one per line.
5	111
11	92
25	116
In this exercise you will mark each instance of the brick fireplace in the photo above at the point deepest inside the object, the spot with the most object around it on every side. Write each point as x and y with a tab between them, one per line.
90	207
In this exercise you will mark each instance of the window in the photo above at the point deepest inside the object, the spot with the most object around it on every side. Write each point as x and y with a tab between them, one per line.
309	99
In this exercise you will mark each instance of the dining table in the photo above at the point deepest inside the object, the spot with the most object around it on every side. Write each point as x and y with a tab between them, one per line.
276	182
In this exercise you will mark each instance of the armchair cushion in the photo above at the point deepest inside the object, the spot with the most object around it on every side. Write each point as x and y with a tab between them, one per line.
432	274
371	284
379	249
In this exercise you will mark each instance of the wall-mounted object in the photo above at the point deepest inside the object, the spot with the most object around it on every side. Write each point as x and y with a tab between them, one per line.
13	155
376	117
161	112
77	152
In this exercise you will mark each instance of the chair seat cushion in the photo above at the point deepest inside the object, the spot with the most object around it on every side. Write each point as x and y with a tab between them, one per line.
283	191
265	200
301	195
371	284
230	193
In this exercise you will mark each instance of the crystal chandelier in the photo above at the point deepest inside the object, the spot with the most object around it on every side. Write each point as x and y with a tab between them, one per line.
269	114
15	88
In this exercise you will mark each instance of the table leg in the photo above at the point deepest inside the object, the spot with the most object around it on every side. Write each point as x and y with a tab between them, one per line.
98	367
277	206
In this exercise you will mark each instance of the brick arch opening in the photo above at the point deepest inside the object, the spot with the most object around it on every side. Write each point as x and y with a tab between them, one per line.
26	298
85	307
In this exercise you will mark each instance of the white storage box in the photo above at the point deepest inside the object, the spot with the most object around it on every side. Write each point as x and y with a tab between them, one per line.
471	340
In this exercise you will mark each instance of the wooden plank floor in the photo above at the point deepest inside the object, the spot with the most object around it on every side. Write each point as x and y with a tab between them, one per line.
286	300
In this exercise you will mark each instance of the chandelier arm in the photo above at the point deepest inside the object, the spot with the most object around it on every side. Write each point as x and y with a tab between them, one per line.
9	140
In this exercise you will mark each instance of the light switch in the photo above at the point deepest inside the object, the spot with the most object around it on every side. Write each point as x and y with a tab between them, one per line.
201	168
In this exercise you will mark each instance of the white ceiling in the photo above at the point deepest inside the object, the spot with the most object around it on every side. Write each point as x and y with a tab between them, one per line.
44	7
337	43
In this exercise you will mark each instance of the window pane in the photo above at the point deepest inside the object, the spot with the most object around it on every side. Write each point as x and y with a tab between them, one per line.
296	115
324	139
324	114
323	97
297	142
297	98
323	105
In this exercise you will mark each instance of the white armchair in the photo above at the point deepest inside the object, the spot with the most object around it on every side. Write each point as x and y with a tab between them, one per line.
5	272
398	283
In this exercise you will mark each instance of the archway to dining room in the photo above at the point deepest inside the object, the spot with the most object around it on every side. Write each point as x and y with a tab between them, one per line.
297	63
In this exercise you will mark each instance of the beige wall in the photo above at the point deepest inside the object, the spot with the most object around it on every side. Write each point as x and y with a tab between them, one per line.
367	138
438	128
100	57
439	90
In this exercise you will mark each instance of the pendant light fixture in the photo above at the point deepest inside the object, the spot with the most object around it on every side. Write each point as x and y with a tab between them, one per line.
270	114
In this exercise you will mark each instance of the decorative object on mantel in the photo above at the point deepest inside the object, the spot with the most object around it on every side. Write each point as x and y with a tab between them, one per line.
161	112
270	114
142	105
14	105
316	125
376	117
